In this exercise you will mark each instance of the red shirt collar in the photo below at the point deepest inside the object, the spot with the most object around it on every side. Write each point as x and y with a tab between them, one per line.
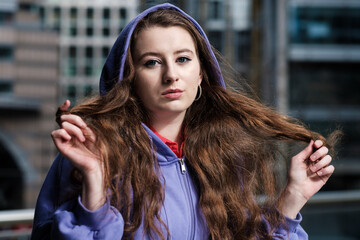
172	145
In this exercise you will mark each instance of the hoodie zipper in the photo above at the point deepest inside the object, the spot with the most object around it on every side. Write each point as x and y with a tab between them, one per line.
188	196
182	165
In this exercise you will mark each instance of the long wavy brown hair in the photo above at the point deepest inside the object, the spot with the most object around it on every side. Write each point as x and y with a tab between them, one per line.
230	147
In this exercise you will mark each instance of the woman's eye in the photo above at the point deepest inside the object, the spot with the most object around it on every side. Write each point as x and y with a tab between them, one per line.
150	63
183	59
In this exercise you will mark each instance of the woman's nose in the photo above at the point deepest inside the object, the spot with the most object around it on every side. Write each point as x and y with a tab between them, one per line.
170	73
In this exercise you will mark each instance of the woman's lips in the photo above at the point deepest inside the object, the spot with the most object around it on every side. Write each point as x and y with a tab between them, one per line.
172	93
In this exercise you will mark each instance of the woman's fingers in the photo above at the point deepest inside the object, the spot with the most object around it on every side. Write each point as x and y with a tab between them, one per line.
60	138
73	119
324	162
318	154
61	111
60	134
321	160
318	143
327	171
65	105
73	130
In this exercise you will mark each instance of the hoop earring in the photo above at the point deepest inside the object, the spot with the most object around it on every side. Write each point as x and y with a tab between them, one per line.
200	92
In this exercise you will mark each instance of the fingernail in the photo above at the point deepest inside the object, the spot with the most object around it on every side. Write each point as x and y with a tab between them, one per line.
313	168
319	173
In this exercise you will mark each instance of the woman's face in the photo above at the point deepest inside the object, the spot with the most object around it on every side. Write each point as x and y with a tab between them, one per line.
167	70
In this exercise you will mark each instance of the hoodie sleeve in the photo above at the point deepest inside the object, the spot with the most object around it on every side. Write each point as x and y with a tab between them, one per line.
293	230
73	221
59	213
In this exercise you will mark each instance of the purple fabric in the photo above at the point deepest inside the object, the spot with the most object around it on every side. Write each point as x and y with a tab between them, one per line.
59	217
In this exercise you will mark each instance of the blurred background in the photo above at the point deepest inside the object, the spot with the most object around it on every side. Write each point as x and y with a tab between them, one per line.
301	56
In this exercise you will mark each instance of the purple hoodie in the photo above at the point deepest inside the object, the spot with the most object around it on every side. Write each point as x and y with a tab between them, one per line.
59	213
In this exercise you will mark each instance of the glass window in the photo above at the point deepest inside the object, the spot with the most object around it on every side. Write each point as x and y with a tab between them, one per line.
105	51
57	12
6	53
325	25
5	87
243	46
73	13
216	9
73	16
216	39
42	16
72	69
72	52
89	52
57	18
89	31
88	90
90	13
122	13
28	7
106	13
71	93
88	70
106	31
324	84
73	31
6	17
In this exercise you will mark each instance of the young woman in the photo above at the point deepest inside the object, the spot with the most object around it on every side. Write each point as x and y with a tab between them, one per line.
166	152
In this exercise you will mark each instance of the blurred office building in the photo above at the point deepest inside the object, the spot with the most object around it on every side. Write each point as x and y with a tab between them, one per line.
324	75
28	93
144	4
87	30
323	62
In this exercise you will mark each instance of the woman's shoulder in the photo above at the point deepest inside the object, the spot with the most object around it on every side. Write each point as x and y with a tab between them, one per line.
58	186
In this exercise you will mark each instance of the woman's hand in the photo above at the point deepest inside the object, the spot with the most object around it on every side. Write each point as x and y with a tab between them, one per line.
309	171
76	141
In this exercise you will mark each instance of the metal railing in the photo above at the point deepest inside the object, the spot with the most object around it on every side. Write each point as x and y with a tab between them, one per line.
16	224
335	197
24	217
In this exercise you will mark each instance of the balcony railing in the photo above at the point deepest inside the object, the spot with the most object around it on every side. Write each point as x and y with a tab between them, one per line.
16	224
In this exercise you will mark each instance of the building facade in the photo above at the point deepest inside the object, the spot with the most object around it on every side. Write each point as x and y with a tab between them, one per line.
323	80
87	30
49	51
28	93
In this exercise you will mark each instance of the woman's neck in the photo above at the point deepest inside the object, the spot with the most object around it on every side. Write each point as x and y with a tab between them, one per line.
169	127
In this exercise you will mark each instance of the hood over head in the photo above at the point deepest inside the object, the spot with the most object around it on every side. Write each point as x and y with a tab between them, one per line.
113	69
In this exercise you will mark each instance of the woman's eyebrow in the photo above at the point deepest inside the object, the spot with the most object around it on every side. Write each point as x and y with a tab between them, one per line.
184	50
148	54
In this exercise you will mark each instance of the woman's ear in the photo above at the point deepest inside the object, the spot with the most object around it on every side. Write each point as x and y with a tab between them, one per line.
200	77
